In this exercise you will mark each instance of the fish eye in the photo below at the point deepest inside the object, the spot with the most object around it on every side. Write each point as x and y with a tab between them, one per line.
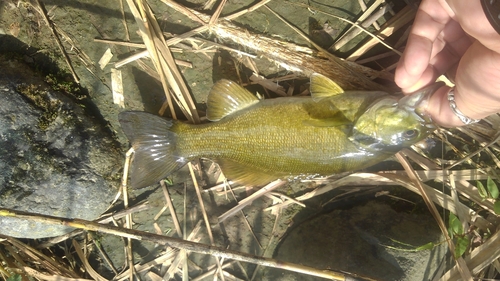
409	134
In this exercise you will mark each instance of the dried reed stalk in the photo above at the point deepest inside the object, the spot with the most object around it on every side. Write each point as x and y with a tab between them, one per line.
41	9
350	76
173	242
204	212
404	16
460	263
304	60
366	22
247	201
163	61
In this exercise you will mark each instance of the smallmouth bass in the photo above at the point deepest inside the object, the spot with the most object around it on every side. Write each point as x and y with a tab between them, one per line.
257	141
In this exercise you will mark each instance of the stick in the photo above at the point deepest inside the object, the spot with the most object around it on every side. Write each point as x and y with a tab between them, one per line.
462	266
176	243
171	209
204	212
349	35
58	40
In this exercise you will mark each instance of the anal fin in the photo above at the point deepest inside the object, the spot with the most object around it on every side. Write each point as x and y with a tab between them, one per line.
245	174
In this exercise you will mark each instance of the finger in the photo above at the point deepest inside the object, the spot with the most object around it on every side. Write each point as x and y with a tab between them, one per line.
414	61
443	61
427	77
450	46
438	65
457	41
447	49
430	20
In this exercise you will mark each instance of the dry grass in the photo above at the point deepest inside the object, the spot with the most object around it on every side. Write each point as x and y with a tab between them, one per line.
459	195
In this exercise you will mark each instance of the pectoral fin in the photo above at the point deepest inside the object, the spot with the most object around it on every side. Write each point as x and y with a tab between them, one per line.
245	174
322	87
227	97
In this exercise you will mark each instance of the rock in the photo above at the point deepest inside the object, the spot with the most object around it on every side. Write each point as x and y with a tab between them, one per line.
55	158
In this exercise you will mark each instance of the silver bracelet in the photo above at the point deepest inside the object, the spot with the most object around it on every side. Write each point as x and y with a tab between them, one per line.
465	119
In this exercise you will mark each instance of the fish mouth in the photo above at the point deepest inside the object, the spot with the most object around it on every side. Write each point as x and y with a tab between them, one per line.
418	102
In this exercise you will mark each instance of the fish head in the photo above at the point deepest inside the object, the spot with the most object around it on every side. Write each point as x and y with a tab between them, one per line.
391	123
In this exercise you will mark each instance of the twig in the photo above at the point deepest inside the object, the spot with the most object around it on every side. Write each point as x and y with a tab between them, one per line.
271	240
217	12
118	215
468	157
128	217
204	27
58	40
124	21
182	255
375	38
367	12
478	259
245	220
172	242
38	275
376	57
204	212
403	17
324	52
349	35
183	10
104	256
247	201
211	271
462	266
86	264
220	46
41	258
167	257
121	43
171	208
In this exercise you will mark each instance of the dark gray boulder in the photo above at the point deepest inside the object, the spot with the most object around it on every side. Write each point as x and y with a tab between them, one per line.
55	158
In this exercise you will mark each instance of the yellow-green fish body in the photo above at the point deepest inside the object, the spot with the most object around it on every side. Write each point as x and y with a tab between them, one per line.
255	141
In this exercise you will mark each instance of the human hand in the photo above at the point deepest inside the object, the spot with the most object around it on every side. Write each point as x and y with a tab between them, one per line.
446	33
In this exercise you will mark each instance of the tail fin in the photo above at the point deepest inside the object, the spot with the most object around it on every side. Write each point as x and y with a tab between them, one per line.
155	154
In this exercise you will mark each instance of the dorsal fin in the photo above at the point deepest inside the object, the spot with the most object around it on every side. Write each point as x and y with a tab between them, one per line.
227	97
322	87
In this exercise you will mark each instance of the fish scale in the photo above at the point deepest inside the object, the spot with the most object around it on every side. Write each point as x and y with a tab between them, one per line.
285	146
